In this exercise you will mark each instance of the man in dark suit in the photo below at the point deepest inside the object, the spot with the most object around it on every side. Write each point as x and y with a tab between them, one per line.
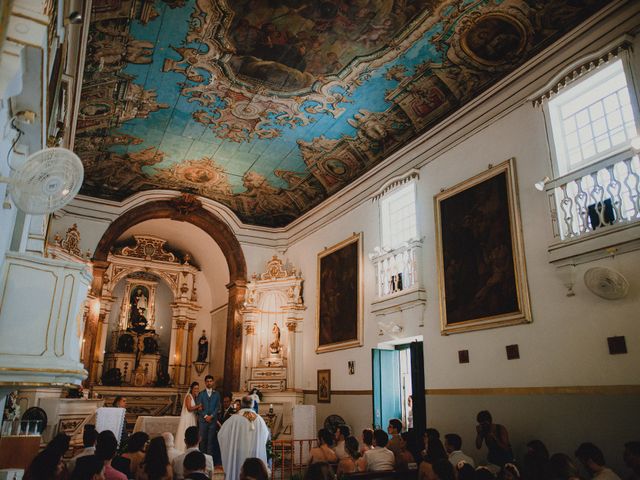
207	419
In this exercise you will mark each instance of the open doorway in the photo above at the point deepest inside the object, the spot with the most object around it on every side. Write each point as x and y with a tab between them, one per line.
398	375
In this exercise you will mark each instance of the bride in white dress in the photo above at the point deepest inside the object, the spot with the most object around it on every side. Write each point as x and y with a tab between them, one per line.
189	415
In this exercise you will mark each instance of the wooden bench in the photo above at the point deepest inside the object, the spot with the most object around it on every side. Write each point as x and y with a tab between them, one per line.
393	474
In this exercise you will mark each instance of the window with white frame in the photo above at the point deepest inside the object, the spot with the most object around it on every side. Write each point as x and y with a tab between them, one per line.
592	123
398	216
592	118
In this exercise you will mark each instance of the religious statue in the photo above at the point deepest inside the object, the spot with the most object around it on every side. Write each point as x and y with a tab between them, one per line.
274	346
138	315
140	301
203	348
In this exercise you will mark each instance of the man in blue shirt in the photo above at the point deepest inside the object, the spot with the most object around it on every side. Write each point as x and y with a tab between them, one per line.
210	401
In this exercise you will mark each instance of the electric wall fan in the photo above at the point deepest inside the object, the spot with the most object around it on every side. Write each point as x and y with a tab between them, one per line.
46	181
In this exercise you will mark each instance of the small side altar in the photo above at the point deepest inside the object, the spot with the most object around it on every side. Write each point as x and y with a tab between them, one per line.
272	311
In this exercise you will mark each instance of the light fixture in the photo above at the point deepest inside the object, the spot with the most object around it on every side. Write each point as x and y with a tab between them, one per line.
540	185
75	18
635	144
95	306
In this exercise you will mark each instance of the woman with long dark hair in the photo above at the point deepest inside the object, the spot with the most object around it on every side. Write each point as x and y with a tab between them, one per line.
434	451
349	463
188	416
48	464
323	452
156	463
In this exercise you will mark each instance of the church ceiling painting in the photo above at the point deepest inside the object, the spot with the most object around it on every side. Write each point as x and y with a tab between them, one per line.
270	107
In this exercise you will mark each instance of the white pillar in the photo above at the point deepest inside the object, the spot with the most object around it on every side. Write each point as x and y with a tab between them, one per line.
291	352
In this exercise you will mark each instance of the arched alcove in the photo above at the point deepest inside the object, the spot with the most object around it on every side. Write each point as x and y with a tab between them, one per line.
185	208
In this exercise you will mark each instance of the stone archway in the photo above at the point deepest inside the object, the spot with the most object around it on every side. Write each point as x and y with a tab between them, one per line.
184	208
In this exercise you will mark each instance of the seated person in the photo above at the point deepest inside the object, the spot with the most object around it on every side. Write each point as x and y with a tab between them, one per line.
348	463
323	452
593	460
380	458
404	458
194	465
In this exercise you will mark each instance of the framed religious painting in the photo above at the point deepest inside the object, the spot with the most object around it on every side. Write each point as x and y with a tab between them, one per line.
481	263
339	298
324	386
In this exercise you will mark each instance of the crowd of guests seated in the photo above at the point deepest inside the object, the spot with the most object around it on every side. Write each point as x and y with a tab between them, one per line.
144	459
337	455
428	458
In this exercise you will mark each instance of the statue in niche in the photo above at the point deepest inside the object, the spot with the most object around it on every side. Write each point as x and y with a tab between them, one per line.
203	348
139	302
274	346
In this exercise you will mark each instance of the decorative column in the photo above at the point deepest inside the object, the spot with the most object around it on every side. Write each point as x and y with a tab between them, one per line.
91	327
101	336
291	351
233	350
249	340
177	354
189	359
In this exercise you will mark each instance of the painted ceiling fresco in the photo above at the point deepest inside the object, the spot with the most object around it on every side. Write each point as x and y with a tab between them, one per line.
270	107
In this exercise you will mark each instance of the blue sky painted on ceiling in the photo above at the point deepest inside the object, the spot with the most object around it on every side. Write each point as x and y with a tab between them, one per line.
180	137
271	149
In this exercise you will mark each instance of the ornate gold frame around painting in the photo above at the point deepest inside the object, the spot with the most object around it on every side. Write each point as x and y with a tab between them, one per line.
357	340
522	314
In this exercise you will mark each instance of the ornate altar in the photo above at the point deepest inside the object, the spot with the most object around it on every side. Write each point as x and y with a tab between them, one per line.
272	311
133	355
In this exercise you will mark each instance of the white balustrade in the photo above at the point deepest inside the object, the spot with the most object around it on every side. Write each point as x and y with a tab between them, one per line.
396	270
601	195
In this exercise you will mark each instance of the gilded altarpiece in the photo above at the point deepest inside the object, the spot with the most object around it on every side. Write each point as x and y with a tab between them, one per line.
273	309
133	346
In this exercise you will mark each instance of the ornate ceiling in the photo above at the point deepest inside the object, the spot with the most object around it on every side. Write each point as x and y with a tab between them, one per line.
270	107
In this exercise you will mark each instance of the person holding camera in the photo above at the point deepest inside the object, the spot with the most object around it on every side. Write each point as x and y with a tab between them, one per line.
495	437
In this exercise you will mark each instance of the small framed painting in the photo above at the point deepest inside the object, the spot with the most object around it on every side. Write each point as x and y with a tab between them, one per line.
324	386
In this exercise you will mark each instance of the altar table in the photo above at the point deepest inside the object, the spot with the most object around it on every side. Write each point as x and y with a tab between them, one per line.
155	426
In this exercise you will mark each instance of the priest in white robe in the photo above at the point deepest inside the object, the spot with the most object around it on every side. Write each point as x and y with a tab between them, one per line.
244	435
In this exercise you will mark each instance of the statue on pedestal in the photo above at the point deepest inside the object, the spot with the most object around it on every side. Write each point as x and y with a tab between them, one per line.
203	348
274	346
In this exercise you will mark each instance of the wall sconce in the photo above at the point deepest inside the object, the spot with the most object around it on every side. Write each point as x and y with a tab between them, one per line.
199	366
540	185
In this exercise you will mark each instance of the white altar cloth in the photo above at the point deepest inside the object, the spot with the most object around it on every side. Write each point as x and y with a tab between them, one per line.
155	426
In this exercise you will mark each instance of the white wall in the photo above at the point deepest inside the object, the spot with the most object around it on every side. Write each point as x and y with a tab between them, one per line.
565	346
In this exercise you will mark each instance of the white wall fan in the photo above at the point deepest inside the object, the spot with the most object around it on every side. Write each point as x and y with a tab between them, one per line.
47	181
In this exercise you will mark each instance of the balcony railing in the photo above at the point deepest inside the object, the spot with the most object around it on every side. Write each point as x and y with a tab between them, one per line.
396	270
598	196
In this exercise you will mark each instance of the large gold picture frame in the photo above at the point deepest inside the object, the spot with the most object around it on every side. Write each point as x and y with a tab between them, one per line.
481	264
339	300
